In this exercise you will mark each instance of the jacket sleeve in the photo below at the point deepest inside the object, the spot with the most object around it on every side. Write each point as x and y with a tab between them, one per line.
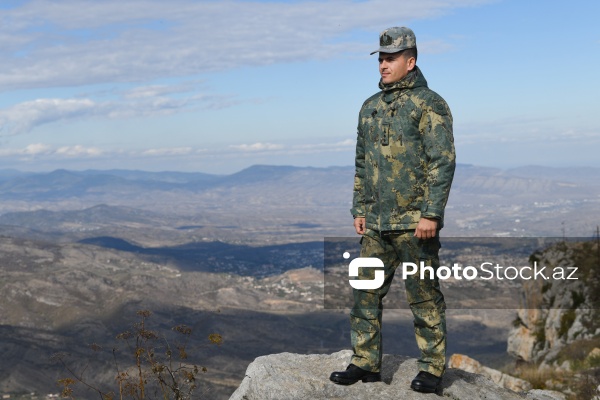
358	200
440	157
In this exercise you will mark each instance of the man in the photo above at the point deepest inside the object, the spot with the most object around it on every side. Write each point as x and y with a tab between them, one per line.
405	163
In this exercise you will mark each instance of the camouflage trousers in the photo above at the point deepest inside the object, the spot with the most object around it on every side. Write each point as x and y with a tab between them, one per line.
424	297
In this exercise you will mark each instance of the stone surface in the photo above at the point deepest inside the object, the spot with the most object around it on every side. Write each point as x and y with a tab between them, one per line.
595	353
288	376
545	395
553	313
469	364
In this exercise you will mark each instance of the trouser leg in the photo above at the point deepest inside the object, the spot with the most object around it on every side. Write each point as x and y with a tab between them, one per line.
366	314
426	303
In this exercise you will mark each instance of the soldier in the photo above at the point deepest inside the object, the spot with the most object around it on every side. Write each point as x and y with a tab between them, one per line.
405	163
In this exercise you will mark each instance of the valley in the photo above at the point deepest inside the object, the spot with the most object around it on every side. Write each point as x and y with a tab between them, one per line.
238	255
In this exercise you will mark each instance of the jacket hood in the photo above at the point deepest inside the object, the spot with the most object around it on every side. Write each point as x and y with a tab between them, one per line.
414	79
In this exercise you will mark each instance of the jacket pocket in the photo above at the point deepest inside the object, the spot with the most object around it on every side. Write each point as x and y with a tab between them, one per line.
398	132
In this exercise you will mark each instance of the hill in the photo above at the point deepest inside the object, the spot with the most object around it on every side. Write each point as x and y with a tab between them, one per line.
81	251
272	203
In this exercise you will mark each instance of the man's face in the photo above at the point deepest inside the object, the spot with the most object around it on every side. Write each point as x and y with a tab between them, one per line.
394	66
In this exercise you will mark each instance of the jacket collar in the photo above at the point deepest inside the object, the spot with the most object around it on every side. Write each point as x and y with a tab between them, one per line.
414	79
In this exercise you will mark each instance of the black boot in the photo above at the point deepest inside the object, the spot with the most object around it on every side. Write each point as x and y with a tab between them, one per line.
353	374
426	382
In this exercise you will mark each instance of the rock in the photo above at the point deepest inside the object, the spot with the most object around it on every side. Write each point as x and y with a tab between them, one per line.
565	366
554	313
521	340
595	353
469	364
597	391
545	395
288	376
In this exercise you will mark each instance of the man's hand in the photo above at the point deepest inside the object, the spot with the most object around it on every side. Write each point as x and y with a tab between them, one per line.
359	225
426	228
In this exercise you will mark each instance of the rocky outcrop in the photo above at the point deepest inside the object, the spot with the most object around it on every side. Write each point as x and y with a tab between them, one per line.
469	364
288	376
557	312
557	330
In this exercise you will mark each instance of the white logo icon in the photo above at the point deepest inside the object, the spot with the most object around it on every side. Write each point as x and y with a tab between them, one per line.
365	262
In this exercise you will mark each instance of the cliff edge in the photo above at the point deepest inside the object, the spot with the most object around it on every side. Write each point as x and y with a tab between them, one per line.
288	376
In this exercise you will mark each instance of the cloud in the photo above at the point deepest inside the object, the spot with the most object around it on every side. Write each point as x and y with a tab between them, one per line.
171	151
22	117
37	150
77	42
150	91
257	147
150	100
78	151
45	151
336	146
291	149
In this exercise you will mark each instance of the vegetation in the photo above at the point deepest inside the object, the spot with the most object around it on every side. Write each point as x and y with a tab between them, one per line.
588	260
575	370
539	378
566	322
580	382
517	322
577	352
155	367
540	332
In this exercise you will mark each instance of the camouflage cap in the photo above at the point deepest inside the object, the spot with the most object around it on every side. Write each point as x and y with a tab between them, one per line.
393	40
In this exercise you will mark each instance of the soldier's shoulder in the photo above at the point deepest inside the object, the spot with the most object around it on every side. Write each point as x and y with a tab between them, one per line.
427	94
372	101
432	100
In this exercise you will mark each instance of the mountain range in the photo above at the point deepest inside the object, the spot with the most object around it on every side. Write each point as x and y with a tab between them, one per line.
239	255
281	203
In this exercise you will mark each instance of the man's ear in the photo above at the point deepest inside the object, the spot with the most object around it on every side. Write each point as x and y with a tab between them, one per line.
411	63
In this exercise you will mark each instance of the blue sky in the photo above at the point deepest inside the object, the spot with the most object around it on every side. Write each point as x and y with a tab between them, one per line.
217	86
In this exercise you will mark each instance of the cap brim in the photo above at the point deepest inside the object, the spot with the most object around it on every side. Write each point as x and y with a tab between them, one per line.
382	50
389	51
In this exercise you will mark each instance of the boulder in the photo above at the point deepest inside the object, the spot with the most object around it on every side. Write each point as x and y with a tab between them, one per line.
469	364
288	376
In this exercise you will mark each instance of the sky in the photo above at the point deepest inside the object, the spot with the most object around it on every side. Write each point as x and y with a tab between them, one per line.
218	86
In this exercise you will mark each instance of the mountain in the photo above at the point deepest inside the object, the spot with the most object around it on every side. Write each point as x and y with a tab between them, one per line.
82	251
582	175
526	182
8	174
100	214
163	176
62	184
59	298
288	203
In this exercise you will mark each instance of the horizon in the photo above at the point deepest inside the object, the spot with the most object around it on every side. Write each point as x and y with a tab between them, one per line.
274	166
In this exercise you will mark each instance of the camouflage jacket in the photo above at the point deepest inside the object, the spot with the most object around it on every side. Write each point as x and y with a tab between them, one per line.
405	156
